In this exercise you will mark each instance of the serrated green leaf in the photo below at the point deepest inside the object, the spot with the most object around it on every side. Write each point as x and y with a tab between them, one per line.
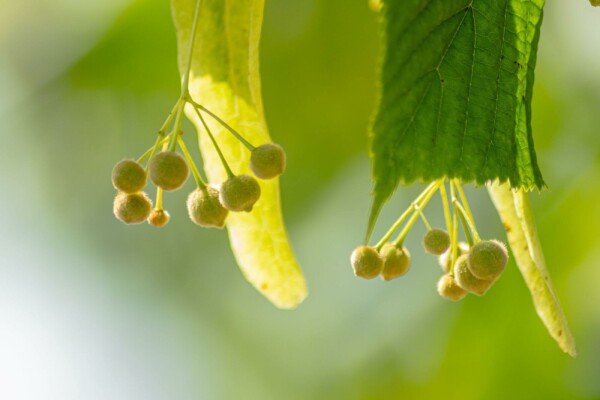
225	79
515	213
455	93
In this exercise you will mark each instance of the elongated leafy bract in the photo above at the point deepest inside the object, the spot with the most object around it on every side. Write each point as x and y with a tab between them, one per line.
515	213
225	79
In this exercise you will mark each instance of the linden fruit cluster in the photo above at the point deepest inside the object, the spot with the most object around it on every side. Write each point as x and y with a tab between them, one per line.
208	205
469	267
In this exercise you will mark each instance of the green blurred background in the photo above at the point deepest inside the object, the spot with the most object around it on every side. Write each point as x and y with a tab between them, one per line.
92	309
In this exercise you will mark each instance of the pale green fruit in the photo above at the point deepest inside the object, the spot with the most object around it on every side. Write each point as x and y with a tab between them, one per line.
436	241
445	260
267	161
449	289
132	208
467	280
366	262
487	259
239	193
205	209
128	176
168	170
396	261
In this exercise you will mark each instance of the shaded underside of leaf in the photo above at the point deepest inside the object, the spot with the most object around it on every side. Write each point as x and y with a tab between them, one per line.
515	213
456	85
225	78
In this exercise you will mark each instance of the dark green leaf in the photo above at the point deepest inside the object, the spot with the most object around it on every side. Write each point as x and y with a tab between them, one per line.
456	88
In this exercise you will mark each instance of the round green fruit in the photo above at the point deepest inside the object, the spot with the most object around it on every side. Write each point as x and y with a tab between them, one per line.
467	280
205	209
168	170
239	193
445	260
449	289
267	161
487	259
128	176
132	208
396	261
436	241
366	262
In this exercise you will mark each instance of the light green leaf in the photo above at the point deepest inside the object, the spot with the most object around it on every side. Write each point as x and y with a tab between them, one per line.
455	93
225	79
515	213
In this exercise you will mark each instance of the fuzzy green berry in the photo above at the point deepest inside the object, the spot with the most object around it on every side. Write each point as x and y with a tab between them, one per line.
128	176
168	170
366	262
436	241
396	261
487	259
205	209
132	208
158	218
267	161
449	289
445	260
239	193
467	280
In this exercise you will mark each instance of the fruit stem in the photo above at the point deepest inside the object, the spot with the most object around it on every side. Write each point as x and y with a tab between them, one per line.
464	201
144	156
404	215
212	138
199	181
464	215
161	132
176	132
416	206
427	225
159	198
446	207
159	191
186	75
239	137
165	125
463	222
454	234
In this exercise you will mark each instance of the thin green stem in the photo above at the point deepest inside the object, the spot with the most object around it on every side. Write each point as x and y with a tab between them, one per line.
239	137
147	153
416	206
423	218
405	215
446	207
159	191
159	198
176	132
212	138
186	75
465	212
161	132
468	212
165	125
199	181
454	233
461	214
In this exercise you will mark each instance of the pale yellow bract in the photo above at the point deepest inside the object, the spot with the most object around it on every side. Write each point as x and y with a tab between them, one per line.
225	79
515	213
